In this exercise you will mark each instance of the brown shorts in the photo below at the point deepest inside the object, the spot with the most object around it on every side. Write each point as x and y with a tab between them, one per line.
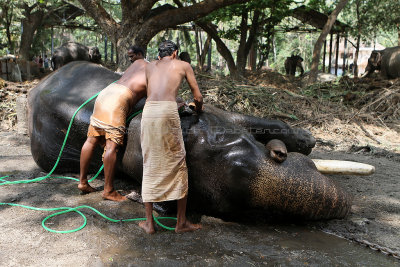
114	136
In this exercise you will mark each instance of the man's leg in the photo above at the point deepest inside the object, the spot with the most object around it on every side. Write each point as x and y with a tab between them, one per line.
110	159
86	155
183	225
148	225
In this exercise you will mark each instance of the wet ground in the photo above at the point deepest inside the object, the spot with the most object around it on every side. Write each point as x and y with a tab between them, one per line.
374	215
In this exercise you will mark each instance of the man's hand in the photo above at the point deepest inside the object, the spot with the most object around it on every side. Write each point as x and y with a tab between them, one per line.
192	106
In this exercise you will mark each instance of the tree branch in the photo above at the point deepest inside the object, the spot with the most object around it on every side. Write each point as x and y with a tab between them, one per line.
181	15
221	47
136	9
178	3
100	15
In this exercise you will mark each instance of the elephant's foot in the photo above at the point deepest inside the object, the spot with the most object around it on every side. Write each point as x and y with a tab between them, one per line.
147	226
113	196
187	227
86	188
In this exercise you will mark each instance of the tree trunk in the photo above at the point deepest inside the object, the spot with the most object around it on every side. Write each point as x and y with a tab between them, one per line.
324	58
29	25
198	54
246	42
209	55
337	53
204	52
253	57
266	50
241	57
8	15
318	45
355	61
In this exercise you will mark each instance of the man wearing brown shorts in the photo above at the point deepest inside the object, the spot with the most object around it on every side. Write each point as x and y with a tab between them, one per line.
165	175
107	124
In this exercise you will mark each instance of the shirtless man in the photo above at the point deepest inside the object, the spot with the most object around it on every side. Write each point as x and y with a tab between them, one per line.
165	174
107	124
135	52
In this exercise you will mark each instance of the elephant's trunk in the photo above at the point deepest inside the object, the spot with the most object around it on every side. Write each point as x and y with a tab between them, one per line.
296	188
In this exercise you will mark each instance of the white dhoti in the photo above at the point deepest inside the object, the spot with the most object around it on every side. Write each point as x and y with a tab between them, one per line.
165	175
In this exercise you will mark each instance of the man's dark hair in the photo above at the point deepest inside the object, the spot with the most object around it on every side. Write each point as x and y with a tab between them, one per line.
166	48
136	50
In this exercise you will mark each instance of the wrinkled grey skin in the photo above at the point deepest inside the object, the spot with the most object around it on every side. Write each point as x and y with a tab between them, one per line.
293	62
387	61
231	171
72	51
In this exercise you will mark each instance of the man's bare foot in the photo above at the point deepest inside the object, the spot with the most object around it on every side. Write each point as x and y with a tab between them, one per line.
114	196
148	227
86	188
187	227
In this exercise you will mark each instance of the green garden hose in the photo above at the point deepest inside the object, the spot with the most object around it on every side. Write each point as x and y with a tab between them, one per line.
76	209
69	209
38	179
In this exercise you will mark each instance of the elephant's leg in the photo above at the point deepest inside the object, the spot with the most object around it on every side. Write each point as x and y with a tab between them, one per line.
294	66
287	68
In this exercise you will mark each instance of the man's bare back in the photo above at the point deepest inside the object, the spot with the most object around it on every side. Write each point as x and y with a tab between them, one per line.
164	78
134	78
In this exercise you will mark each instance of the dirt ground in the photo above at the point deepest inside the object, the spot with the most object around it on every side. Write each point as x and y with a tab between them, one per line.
370	231
368	236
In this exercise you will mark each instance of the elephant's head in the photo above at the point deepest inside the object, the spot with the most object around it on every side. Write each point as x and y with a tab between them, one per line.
94	54
300	64
374	62
292	63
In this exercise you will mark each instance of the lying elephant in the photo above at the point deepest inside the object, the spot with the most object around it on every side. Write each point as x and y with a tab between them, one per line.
293	62
387	61
231	172
72	51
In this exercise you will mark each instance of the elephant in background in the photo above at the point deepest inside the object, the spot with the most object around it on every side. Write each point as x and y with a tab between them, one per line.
387	61
94	54
72	51
291	63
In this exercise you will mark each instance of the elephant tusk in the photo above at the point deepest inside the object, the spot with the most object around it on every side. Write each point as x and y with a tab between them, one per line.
343	167
364	74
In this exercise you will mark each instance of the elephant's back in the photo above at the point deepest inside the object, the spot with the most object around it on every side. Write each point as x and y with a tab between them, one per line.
391	62
51	105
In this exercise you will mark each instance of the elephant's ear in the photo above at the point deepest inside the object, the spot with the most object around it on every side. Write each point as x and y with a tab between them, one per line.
378	58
